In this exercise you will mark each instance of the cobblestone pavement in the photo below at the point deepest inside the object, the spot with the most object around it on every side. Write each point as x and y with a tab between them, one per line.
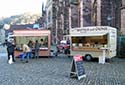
56	71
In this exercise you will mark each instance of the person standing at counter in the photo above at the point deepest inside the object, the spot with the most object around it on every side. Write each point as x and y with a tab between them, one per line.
26	51
30	44
42	43
37	47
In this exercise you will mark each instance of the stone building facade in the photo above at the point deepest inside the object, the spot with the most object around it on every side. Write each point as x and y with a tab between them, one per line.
93	13
57	18
104	12
123	17
50	21
63	15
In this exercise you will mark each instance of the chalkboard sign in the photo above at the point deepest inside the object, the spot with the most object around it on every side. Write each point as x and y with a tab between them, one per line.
77	69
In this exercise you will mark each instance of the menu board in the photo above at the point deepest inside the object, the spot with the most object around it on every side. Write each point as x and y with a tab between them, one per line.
77	69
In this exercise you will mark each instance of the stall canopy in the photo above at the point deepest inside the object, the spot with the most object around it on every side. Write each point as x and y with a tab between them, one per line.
31	32
101	34
89	31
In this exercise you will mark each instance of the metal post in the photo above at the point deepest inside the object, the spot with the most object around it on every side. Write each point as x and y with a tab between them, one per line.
56	31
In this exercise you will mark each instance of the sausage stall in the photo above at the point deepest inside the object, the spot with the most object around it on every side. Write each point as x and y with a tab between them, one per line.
24	36
93	41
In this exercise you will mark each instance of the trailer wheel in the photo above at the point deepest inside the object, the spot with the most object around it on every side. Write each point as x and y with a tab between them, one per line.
88	57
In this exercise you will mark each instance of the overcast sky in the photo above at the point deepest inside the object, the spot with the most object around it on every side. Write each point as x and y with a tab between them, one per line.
14	7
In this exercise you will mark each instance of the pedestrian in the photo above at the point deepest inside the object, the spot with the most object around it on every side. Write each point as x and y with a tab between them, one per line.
5	43
10	49
42	43
30	44
37	47
26	52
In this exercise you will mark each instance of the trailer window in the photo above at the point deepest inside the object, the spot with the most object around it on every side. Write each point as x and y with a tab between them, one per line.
89	41
20	40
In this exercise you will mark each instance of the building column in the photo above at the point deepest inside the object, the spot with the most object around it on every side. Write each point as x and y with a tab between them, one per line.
70	18
123	17
98	12
81	13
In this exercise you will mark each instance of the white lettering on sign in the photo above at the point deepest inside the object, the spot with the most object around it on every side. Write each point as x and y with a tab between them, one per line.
90	29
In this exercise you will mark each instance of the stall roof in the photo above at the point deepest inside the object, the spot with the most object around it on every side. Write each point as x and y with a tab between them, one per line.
31	32
99	34
91	31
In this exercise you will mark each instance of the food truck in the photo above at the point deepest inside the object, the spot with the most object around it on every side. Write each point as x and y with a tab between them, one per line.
24	36
92	41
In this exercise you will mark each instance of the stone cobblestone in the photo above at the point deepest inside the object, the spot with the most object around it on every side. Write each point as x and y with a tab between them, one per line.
56	71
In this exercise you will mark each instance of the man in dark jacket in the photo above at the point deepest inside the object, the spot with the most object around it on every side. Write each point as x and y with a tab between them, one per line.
37	47
10	50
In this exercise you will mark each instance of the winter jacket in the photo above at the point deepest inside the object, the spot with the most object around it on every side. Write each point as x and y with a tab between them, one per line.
10	47
26	48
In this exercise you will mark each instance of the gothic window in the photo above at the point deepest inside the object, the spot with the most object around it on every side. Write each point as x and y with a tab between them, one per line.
49	16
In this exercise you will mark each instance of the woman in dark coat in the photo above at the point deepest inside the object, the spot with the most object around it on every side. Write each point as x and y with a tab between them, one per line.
10	50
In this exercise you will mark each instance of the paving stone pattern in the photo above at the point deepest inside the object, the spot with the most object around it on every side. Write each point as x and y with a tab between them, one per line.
56	71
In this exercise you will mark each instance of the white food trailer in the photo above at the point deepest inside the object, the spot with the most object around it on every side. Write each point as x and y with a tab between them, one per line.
93	41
